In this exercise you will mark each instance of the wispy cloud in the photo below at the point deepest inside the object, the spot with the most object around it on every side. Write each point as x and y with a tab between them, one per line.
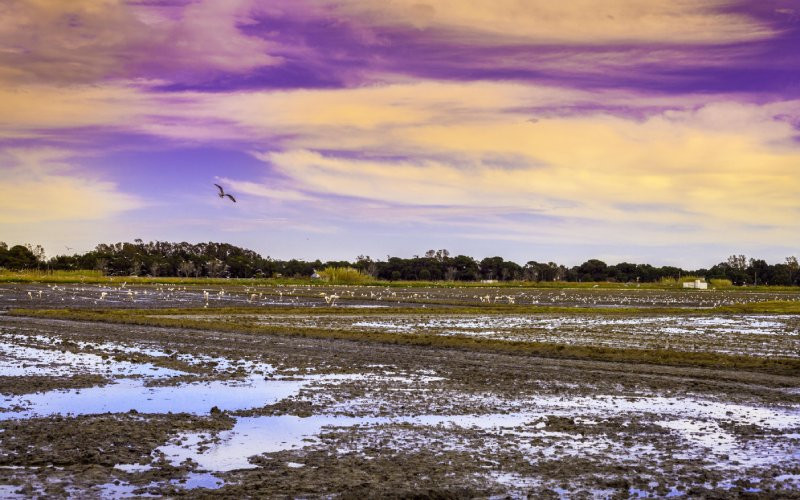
574	22
272	192
579	118
717	161
88	40
43	185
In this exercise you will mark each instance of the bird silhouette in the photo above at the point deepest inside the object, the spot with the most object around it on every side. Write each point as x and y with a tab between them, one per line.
223	194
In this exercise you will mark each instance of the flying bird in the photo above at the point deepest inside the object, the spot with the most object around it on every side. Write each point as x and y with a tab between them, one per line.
223	194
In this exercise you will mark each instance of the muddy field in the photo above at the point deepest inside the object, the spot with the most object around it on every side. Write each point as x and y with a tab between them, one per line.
114	410
752	335
168	296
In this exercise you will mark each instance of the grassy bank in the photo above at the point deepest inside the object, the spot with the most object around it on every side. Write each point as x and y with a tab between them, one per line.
44	276
769	307
777	366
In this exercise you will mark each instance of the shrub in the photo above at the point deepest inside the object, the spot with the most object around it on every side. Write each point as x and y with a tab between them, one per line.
720	283
343	276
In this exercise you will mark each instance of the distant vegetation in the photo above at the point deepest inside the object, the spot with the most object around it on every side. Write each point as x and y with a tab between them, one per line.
221	260
720	282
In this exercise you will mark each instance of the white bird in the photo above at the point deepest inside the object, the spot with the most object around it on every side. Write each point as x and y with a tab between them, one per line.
223	194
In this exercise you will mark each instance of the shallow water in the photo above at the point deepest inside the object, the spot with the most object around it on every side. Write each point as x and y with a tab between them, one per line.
697	425
254	436
198	398
752	335
18	357
192	480
745	324
257	435
129	394
19	361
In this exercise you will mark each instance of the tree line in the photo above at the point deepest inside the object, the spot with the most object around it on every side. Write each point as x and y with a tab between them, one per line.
223	260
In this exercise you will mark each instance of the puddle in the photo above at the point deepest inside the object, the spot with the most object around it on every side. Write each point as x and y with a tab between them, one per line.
253	436
191	481
199	480
257	435
671	493
9	491
757	325
126	395
753	335
196	397
133	468
16	345
19	361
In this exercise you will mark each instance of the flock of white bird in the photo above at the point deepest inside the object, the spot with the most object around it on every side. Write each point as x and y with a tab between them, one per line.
330	295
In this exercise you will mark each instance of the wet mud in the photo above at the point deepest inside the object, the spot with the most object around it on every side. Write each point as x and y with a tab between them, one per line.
112	410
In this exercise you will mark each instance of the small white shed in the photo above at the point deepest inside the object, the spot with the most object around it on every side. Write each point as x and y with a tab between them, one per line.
700	284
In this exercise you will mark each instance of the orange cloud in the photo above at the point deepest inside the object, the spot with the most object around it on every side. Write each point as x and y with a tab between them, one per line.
572	22
718	164
89	40
42	185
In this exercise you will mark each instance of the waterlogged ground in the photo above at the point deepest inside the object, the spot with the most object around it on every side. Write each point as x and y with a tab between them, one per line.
164	296
110	410
752	335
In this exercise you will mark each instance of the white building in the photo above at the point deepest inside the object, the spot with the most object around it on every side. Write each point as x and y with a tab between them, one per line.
701	284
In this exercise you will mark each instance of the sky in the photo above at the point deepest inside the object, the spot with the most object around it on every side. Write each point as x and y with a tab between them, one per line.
658	131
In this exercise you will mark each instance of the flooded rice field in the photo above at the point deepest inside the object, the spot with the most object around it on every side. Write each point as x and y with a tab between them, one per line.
168	296
752	335
96	409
